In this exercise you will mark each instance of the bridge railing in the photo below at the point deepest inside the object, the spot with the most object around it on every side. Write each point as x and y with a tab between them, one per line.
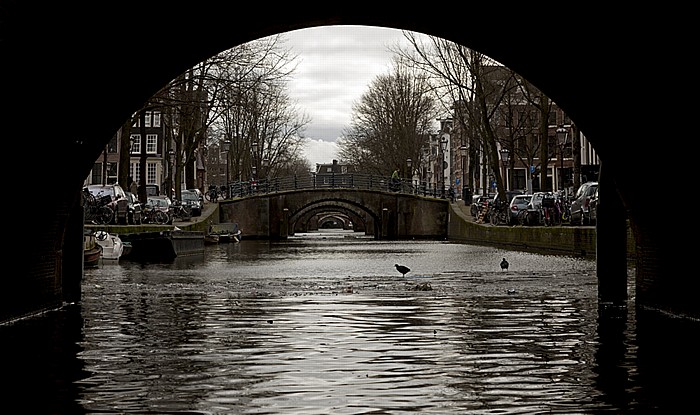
331	181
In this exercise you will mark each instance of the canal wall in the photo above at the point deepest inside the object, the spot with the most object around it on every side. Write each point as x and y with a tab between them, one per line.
578	241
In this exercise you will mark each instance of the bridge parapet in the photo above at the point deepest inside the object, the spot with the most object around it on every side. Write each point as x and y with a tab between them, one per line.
330	181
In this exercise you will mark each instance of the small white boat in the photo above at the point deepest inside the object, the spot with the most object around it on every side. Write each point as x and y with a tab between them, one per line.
112	246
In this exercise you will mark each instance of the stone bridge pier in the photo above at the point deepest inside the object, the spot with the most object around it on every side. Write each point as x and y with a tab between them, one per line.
385	215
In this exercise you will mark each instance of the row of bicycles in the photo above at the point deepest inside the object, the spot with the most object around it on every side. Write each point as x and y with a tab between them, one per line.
547	210
542	209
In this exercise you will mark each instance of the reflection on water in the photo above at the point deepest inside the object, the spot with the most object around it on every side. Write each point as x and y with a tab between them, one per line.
324	324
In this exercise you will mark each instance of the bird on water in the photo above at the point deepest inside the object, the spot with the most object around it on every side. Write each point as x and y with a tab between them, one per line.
504	265
402	269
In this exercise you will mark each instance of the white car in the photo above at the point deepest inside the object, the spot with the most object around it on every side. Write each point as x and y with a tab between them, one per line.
581	205
518	204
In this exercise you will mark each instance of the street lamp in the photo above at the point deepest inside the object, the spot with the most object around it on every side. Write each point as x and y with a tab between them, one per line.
505	156
562	138
409	165
172	169
443	165
226	147
254	168
266	172
465	195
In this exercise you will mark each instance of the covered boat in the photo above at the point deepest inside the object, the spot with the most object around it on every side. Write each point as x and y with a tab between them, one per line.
112	246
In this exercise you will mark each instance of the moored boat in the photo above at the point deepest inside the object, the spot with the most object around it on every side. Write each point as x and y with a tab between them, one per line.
112	246
91	251
164	245
227	232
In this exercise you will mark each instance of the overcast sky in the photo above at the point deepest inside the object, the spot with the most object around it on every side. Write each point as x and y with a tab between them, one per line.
336	64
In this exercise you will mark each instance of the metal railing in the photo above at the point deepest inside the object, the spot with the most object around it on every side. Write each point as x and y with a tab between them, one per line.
331	181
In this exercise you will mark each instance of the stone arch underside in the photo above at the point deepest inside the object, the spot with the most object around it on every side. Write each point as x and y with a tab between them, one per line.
584	74
299	217
335	217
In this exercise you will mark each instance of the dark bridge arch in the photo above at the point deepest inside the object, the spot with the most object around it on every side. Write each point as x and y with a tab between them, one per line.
346	221
57	77
390	215
357	215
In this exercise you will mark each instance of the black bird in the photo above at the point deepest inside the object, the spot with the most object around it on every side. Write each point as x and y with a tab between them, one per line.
504	265
402	269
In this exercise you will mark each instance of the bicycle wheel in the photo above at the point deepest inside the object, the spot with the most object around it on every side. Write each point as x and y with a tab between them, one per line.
88	200
105	215
161	218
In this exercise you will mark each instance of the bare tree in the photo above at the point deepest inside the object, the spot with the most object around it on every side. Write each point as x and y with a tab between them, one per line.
240	86
391	123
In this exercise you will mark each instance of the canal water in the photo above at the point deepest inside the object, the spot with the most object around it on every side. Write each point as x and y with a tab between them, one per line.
323	323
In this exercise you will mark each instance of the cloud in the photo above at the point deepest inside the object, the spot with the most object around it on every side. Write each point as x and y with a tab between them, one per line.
318	151
335	66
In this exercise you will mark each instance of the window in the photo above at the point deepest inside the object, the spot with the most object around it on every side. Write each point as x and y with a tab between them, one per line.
152	169
96	176
151	143
136	171
112	172
135	144
151	119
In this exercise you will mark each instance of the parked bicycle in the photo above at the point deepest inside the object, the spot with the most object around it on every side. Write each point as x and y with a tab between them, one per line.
151	214
212	194
499	213
549	211
96	207
180	212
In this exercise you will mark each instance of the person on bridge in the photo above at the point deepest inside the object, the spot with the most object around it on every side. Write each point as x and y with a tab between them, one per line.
395	180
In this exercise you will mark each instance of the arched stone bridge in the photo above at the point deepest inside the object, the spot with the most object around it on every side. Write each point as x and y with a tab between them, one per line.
386	215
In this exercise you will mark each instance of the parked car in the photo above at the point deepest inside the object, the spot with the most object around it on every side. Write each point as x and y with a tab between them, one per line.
134	214
580	206
118	203
199	194
191	201
518	204
509	195
593	208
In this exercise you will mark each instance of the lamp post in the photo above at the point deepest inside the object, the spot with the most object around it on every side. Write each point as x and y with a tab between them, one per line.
226	148
254	167
505	156
465	188
171	170
409	165
562	138
443	165
266	173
